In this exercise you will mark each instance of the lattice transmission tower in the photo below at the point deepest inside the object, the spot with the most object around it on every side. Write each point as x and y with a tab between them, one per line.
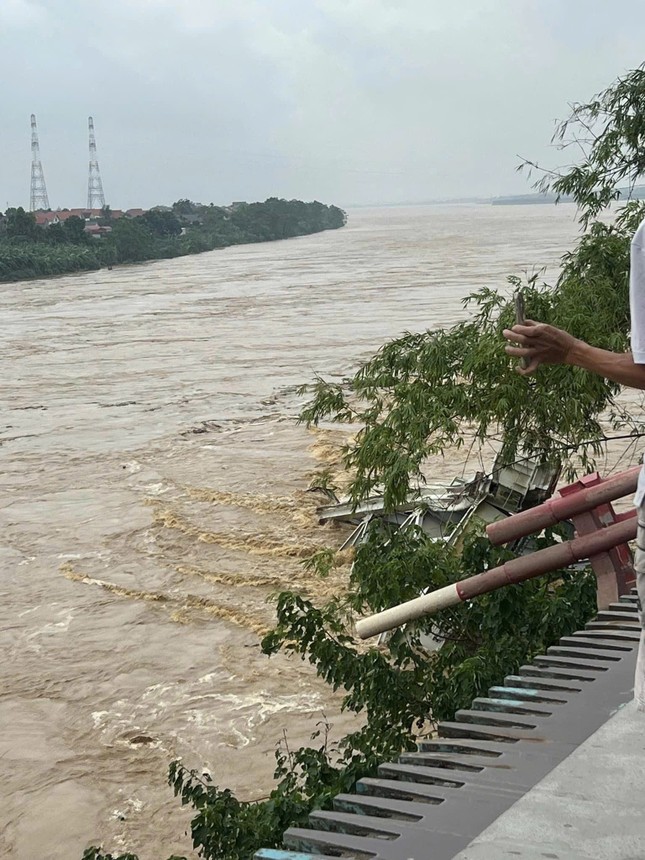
38	198
95	196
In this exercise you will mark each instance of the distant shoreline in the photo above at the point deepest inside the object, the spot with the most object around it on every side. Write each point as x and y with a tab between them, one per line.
637	193
31	252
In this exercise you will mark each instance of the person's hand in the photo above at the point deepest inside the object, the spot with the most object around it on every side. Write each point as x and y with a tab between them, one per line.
538	343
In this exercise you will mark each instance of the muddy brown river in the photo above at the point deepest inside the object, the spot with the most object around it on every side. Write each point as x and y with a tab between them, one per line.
153	495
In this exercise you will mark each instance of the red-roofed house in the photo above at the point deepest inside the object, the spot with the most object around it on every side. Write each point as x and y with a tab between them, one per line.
84	214
96	231
46	219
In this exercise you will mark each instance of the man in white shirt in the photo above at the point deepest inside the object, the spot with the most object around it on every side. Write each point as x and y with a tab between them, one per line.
539	343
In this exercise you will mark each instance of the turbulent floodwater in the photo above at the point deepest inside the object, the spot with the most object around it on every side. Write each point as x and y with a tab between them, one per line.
153	495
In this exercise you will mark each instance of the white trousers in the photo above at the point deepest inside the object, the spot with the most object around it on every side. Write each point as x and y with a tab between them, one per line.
639	566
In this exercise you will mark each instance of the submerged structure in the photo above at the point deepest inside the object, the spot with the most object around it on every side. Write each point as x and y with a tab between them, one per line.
444	510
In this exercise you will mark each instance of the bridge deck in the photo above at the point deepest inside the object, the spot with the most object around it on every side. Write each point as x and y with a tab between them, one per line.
588	808
448	800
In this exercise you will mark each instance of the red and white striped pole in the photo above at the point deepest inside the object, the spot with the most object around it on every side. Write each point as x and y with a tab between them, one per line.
563	508
516	570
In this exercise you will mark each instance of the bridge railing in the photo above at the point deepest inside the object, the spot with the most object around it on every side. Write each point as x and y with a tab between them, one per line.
602	537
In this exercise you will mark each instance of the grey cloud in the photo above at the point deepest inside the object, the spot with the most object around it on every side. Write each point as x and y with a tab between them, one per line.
349	101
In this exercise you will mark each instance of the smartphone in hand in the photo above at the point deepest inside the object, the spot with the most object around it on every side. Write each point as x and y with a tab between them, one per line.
519	319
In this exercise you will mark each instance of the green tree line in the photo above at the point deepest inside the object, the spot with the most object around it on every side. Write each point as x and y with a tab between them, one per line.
31	251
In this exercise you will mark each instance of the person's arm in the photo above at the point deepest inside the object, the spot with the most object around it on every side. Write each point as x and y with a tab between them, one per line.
545	344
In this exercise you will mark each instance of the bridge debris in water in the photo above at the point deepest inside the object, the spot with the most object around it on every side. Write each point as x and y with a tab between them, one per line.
444	510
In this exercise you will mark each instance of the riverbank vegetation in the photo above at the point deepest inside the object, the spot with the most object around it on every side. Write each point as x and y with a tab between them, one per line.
412	399
28	250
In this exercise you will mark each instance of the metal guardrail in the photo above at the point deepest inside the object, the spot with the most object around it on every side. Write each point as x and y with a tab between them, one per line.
602	537
430	804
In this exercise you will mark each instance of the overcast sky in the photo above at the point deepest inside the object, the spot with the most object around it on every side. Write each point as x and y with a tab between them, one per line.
345	101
